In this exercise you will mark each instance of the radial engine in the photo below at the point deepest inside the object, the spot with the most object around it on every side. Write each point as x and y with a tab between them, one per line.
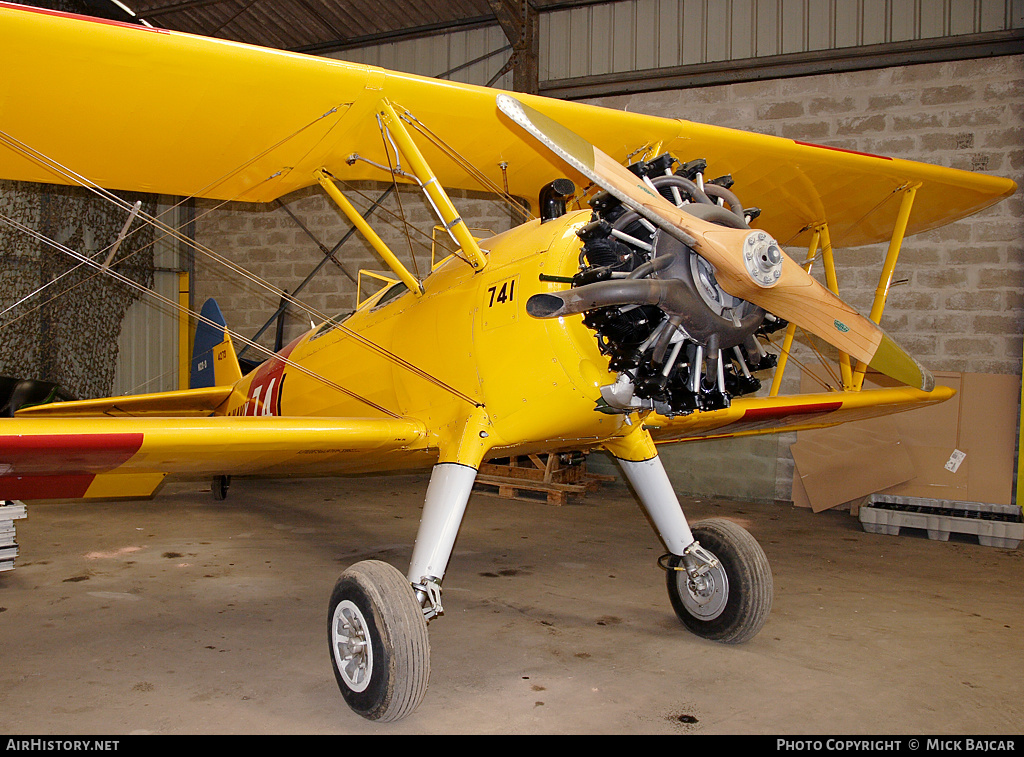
677	340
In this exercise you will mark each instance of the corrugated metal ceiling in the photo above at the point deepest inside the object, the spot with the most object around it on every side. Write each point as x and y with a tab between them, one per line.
318	26
310	25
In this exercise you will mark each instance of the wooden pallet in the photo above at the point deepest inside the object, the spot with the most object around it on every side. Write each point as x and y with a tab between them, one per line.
541	477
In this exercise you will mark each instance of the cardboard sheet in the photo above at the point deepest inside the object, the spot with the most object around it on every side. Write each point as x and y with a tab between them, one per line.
836	465
932	479
988	432
978	427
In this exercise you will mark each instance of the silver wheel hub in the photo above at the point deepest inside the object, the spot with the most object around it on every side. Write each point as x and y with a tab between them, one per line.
705	595
350	642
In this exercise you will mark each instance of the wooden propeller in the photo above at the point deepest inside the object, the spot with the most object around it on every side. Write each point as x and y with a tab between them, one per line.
748	264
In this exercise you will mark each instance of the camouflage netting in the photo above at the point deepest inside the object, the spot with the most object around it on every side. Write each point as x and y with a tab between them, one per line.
68	332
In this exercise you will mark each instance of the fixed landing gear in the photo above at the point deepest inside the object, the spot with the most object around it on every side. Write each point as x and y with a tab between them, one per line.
377	617
219	487
719	583
727	598
378	639
719	580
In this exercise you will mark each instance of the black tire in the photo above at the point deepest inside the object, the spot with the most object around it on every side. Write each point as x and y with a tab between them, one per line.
219	487
734	602
387	676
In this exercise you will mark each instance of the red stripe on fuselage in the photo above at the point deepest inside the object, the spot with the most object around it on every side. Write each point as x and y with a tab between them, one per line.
265	389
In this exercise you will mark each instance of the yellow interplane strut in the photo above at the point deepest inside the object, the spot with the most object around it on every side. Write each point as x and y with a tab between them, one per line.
428	181
889	266
833	284
787	342
368	233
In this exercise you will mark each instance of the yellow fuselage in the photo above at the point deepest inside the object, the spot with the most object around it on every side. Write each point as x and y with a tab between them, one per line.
521	384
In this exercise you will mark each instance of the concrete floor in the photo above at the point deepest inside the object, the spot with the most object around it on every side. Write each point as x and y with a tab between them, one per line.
183	615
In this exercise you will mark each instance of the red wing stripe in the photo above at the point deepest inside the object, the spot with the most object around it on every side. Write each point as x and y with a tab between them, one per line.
45	487
66	454
840	149
784	411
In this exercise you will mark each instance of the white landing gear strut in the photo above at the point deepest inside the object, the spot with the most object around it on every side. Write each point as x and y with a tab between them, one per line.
445	504
719	580
378	618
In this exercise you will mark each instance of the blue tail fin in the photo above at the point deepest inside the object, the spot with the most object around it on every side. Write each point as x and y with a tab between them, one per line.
214	362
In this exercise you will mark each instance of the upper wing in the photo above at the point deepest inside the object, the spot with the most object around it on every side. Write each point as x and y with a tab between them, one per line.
149	110
747	416
56	458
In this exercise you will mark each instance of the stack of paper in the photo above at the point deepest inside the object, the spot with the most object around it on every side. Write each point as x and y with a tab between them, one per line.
10	511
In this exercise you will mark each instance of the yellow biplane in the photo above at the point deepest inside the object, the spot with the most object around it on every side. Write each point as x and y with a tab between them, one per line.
627	312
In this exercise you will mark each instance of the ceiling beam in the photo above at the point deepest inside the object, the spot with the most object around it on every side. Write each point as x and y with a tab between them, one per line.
521	23
866	57
395	35
163	10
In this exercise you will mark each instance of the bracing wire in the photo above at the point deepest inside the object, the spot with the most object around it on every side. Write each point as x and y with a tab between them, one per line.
155	221
181	308
475	173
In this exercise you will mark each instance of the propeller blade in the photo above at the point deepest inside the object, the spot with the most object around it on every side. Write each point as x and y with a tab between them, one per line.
749	264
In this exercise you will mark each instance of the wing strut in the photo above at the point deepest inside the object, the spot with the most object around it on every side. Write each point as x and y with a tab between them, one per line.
367	231
853	379
885	279
446	211
820	240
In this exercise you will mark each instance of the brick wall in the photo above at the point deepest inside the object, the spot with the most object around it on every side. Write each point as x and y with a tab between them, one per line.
962	306
268	241
961	309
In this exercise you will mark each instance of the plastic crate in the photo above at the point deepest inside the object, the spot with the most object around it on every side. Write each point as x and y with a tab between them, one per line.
993	525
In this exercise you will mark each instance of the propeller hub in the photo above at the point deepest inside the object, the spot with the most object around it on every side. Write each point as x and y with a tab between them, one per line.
762	257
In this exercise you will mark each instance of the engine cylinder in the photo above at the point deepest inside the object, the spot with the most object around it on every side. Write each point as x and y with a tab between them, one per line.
678	341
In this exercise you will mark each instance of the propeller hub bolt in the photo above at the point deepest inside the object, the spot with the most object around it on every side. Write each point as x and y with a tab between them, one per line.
762	257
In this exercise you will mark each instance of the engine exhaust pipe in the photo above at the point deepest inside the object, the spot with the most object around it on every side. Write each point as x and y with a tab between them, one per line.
667	294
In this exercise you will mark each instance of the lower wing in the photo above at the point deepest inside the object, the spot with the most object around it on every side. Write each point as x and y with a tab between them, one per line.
58	458
766	415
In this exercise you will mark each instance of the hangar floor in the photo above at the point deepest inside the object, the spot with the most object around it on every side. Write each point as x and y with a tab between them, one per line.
183	615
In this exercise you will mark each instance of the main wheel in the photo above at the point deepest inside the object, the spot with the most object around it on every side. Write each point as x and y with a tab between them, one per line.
219	487
378	638
731	601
